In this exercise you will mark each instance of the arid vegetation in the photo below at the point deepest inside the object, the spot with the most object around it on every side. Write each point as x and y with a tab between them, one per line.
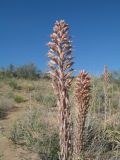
87	107
32	124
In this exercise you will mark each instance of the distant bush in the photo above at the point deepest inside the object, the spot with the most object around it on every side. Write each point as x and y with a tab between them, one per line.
19	99
26	71
32	132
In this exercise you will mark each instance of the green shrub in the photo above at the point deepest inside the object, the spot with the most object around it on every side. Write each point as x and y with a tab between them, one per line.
54	147
100	142
27	71
19	99
33	132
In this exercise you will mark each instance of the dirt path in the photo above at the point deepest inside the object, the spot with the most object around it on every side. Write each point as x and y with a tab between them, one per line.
8	151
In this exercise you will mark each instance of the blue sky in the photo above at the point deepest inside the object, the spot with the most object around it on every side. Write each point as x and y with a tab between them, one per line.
25	26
